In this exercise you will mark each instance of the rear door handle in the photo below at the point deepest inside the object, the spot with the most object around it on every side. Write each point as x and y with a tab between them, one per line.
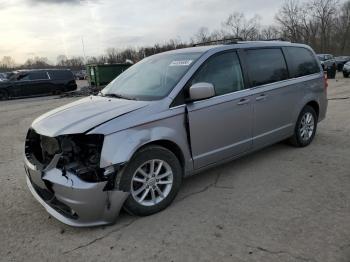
243	101
261	97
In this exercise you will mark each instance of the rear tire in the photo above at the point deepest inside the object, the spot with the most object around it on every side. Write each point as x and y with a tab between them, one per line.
345	75
305	128
153	178
4	95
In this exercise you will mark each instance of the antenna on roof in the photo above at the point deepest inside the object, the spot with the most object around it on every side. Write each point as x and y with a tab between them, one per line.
225	41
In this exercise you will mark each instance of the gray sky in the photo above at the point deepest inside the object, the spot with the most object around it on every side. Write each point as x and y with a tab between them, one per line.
51	27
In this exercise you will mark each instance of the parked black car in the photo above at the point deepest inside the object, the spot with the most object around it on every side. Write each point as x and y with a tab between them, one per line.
80	75
346	69
328	64
37	82
341	61
3	77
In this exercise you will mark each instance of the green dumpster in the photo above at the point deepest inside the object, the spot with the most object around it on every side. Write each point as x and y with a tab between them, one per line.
101	75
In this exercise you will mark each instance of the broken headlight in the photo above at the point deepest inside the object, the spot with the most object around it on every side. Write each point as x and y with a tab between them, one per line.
81	155
40	149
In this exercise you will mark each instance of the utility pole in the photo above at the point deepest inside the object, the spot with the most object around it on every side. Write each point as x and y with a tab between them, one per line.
82	43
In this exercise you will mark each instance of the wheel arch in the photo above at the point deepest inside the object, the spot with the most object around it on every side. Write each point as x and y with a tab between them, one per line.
314	104
308	101
170	145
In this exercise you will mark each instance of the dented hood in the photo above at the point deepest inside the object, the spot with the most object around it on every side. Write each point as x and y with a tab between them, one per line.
83	115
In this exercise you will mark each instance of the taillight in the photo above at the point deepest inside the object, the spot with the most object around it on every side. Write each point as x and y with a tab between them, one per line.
325	81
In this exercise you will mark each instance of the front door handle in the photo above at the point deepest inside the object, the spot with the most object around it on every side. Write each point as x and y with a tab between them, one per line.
261	97
243	101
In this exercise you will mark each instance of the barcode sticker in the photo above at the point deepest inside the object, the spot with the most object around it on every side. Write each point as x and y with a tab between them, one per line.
181	63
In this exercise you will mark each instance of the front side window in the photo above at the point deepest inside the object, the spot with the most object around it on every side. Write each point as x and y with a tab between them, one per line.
223	71
22	77
301	61
153	78
266	66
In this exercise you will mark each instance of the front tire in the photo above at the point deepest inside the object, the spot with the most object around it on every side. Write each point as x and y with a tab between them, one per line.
153	178
346	75
305	128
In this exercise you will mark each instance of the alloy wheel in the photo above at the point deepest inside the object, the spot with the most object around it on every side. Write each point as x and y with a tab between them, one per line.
152	182
307	126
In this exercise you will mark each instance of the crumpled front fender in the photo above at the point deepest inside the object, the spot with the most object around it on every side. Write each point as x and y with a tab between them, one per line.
119	147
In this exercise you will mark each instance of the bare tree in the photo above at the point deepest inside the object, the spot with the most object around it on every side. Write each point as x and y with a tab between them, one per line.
76	62
343	28
311	22
201	36
217	35
289	18
37	62
237	25
309	28
62	60
324	12
112	55
7	62
270	32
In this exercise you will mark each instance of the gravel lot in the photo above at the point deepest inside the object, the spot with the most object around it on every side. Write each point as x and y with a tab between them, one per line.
279	204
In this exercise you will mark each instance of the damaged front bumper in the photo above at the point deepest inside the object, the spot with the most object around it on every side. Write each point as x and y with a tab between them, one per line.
71	200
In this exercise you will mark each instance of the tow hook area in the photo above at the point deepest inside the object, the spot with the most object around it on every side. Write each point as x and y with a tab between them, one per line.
73	201
65	176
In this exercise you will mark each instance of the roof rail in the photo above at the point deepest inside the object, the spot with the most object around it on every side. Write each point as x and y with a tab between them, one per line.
276	39
225	41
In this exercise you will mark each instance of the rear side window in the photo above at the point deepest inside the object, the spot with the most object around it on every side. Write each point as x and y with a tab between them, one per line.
40	75
223	71
266	66
301	61
61	75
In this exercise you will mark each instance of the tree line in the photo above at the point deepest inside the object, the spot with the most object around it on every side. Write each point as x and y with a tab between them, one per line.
322	24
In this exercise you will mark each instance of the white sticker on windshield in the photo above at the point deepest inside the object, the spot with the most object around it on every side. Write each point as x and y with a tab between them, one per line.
181	63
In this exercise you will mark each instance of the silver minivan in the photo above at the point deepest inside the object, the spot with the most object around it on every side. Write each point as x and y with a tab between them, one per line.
169	116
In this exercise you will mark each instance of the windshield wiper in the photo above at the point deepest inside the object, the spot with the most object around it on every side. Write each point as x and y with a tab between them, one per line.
118	96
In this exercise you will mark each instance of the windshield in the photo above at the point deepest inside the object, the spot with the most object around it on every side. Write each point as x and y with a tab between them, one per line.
321	57
18	76
152	78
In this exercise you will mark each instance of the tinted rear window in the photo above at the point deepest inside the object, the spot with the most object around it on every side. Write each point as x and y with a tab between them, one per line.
266	66
301	61
39	75
61	75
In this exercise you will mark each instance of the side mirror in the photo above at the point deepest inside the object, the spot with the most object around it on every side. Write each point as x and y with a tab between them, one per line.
201	91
